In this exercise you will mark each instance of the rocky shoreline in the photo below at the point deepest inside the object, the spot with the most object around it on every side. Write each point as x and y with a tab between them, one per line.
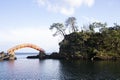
56	55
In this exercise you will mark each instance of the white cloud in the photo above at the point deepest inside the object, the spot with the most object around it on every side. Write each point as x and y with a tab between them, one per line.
66	7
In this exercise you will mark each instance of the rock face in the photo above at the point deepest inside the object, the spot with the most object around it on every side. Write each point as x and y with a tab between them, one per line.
54	55
71	46
41	55
12	57
4	56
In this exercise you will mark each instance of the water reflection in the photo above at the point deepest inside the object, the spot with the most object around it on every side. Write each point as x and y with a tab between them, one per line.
10	65
50	69
90	70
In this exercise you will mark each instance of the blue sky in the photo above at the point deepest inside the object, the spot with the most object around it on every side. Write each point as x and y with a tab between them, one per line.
28	21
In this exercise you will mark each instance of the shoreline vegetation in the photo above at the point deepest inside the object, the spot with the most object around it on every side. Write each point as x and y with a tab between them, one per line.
95	41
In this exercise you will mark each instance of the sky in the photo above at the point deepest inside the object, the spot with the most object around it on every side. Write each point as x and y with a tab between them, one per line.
28	21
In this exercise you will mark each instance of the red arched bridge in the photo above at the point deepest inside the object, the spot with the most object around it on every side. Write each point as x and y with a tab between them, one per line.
13	49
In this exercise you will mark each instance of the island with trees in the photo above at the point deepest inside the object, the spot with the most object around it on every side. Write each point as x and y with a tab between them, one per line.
95	41
87	43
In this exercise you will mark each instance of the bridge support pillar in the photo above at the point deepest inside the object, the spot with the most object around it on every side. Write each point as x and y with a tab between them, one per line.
41	55
12	57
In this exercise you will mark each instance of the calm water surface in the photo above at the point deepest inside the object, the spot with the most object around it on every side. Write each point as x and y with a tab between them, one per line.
49	69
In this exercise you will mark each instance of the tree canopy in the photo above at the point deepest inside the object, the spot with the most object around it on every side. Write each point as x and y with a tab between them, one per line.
61	28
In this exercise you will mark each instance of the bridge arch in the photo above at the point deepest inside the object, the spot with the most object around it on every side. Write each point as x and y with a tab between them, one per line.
13	49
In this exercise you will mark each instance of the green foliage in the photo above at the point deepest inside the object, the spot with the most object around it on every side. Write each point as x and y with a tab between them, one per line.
97	25
71	22
59	29
103	43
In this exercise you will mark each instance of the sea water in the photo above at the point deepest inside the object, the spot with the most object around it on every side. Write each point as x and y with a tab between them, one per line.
51	69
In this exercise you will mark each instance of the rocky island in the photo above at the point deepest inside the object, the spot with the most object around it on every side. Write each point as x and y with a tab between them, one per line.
87	43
